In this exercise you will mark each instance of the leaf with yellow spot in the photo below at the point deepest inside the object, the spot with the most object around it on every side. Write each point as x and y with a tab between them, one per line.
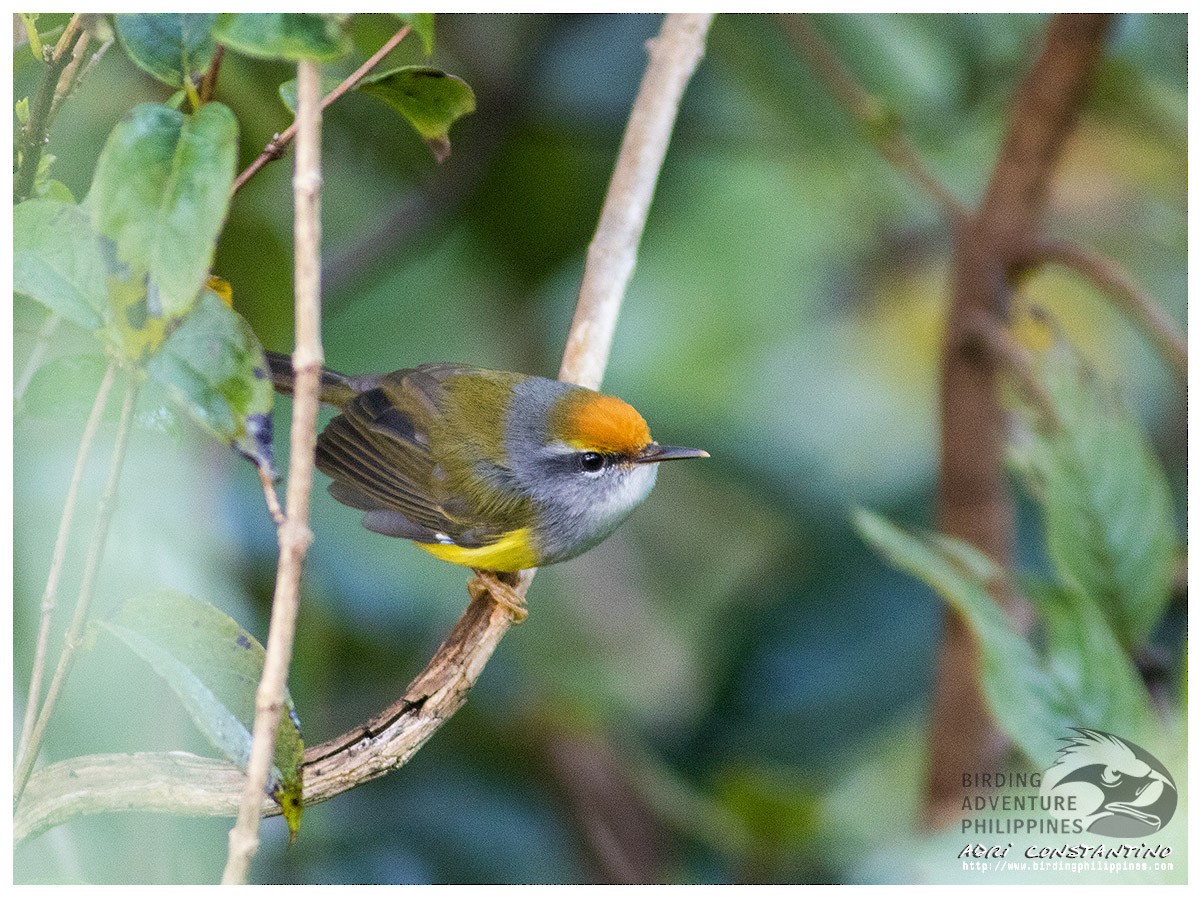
133	332
213	666
213	366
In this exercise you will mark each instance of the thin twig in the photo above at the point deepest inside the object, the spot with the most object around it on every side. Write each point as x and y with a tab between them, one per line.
180	782
277	145
208	83
91	63
880	125
91	569
59	556
36	355
33	135
269	495
1138	306
67	81
294	534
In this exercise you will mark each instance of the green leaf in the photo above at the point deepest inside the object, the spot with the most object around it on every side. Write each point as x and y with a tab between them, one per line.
169	46
422	24
57	260
214	367
291	36
158	418
21	108
1087	659
51	189
782	811
160	193
430	99
1110	527
213	665
1031	705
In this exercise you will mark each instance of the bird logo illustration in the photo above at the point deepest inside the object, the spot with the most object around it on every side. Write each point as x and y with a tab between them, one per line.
1120	790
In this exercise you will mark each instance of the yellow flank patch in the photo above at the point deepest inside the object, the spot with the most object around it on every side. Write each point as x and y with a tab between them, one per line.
221	288
511	553
606	424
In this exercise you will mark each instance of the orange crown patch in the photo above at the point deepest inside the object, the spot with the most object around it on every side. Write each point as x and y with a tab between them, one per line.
605	424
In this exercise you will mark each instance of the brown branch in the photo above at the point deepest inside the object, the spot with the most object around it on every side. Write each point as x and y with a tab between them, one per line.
880	125
620	833
278	145
294	533
180	782
1110	278
208	83
973	500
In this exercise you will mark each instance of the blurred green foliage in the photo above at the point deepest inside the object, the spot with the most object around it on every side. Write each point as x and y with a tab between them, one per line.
785	315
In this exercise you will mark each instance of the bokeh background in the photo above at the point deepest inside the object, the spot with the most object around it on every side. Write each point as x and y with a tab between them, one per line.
733	687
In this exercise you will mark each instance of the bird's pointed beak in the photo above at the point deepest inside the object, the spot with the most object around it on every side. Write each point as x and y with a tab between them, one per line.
654	453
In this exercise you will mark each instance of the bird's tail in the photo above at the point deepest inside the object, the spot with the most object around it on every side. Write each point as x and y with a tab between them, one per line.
336	389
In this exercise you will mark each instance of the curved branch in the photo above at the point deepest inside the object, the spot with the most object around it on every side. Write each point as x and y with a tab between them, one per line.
1138	306
183	783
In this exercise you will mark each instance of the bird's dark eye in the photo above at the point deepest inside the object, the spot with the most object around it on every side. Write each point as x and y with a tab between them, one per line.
591	461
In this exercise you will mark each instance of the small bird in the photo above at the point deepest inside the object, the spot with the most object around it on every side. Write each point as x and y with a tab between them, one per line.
491	470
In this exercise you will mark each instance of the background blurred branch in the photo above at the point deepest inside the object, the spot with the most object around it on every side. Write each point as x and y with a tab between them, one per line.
974	503
879	123
182	783
425	209
623	837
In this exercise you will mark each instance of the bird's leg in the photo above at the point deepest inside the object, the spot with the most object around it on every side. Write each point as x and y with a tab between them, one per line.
501	591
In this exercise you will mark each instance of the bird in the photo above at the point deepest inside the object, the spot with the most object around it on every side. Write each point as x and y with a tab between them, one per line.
496	471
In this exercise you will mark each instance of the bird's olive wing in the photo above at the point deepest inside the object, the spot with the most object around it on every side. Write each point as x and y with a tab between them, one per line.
378	454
